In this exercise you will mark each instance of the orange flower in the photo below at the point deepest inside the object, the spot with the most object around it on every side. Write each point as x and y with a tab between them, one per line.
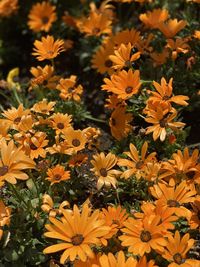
8	7
41	17
113	102
151	19
137	163
181	166
176	250
13	161
43	107
174	197
196	34
120	123
101	60
159	58
178	46
4	216
47	48
77	159
95	25
163	93
166	214
162	120
75	141
141	236
111	261
123	57
144	263
127	36
89	262
124	84
114	217
78	231
13	116
172	27
44	77
33	144
194	221
69	89
102	168
57	174
60	122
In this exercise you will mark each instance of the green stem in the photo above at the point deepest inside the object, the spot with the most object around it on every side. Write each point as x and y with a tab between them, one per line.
143	81
14	190
93	119
16	96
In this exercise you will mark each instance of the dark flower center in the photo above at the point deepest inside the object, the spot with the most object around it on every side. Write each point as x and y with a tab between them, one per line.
128	64
103	172
116	222
57	177
108	63
95	30
77	240
45	82
33	147
45	20
190	174
139	164
3	170
60	125
178	258
173	203
17	120
70	89
166	97
129	89
113	122
76	142
162	123
145	236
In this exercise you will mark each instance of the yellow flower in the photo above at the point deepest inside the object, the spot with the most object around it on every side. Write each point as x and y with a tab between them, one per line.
12	75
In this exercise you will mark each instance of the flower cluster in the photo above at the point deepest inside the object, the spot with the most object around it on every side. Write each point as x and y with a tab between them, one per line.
96	166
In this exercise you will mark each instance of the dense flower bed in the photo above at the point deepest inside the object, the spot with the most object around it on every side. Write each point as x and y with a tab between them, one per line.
97	164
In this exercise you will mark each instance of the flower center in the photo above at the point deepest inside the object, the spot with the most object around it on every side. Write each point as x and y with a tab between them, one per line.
129	89
33	147
116	222
145	236
70	89
76	142
17	120
45	20
173	203
190	174
95	30
60	125
162	123
128	64
77	240
3	170
57	177
178	258
113	122
108	63
139	164
166	97
103	172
